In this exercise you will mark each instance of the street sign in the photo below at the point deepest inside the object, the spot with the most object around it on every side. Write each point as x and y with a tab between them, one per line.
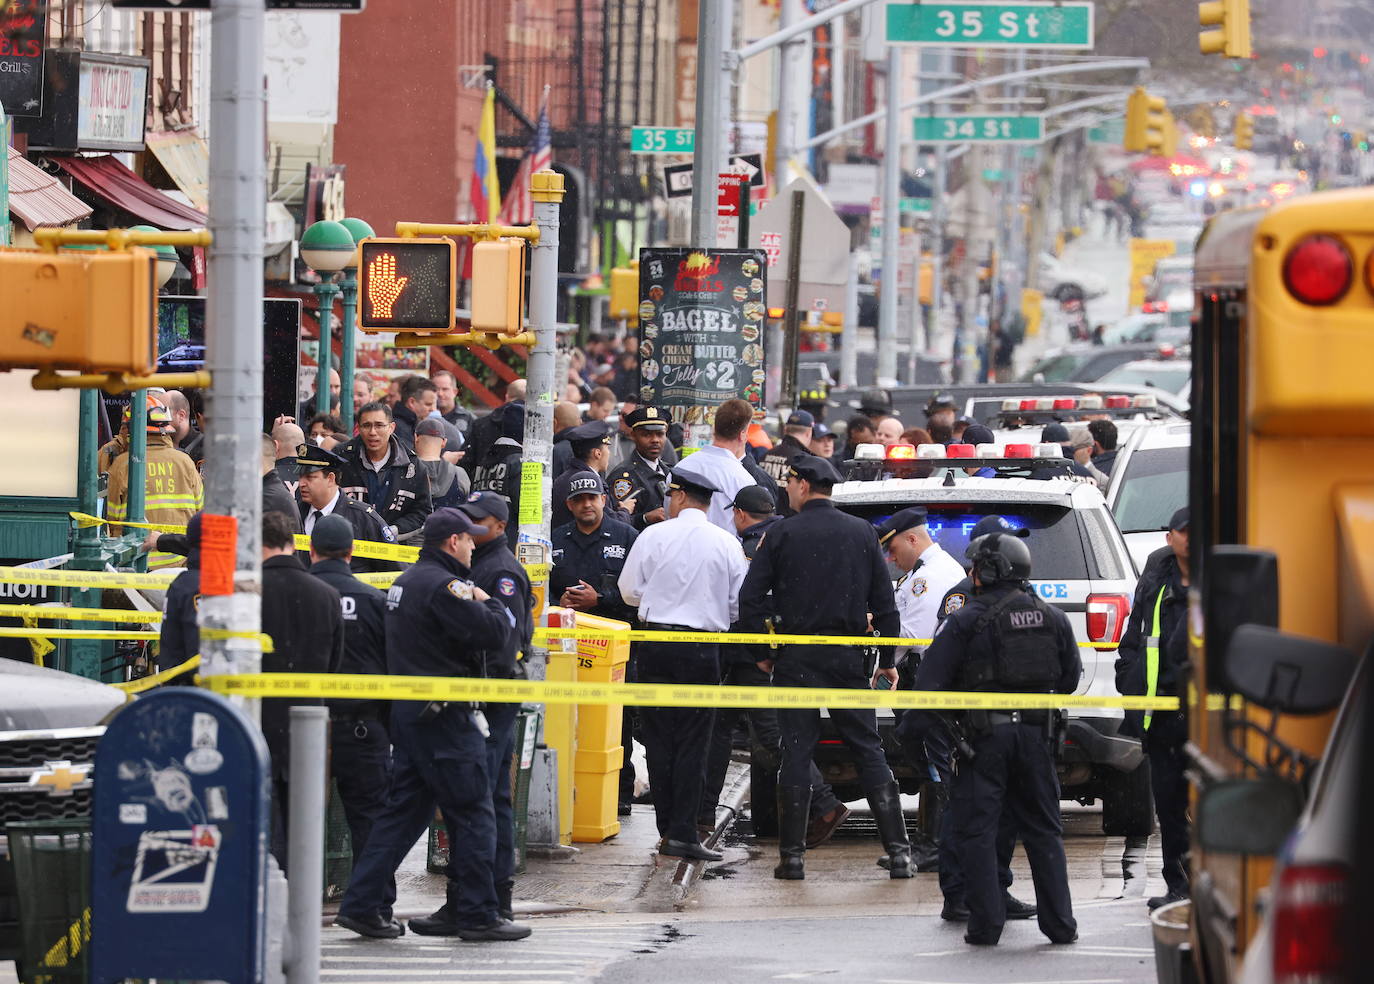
993	174
919	206
728	202
991	25
824	251
1110	132
407	284
979	129
662	140
677	178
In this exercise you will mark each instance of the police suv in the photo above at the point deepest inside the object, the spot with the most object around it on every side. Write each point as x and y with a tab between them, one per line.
1079	563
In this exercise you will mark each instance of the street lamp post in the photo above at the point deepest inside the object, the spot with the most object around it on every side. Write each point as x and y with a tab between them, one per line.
359	230
327	247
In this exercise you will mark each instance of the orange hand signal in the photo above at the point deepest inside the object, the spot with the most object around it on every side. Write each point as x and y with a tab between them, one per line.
383	286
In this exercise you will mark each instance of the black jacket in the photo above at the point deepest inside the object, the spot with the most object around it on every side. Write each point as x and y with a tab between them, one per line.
496	571
765	481
636	477
776	463
750	538
367	525
179	636
461	418
276	498
820	572
597	558
434	627
1161	573
484	432
499	472
304	618
1103	462
363	608
399	492
405	425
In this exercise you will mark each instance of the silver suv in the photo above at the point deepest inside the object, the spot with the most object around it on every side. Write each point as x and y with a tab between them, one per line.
1081	565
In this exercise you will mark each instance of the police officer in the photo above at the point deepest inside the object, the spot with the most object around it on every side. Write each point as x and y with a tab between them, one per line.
958	596
588	556
360	750
822	572
179	634
591	449
1007	640
321	496
498	470
940	412
795	444
643	477
1150	663
438	623
496	571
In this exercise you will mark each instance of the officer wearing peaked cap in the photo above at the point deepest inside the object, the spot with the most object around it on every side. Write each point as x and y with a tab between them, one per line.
591	448
643	477
319	472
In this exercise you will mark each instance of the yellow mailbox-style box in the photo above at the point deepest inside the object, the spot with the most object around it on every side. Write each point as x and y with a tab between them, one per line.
599	751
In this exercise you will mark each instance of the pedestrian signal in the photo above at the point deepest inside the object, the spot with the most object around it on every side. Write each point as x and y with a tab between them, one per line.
498	283
625	293
90	310
407	285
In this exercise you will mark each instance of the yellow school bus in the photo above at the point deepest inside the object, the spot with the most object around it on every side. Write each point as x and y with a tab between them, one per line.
1282	522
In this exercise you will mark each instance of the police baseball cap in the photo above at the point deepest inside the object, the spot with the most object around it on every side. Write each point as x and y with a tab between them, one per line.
995	524
691	484
585	483
590	432
800	418
755	499
332	534
431	427
907	519
1055	433
513	420
1179	520
481	504
446	522
312	457
649	418
817	471
977	434
820	430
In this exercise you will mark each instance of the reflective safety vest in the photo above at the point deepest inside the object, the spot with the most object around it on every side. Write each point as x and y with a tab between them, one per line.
1152	654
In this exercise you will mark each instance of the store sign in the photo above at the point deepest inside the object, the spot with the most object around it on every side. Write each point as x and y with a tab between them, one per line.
701	319
113	101
23	36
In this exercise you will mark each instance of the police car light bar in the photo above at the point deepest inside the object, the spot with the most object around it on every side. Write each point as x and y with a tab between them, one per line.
958	453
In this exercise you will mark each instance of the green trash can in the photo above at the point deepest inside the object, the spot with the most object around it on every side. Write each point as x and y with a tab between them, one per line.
52	870
338	848
522	761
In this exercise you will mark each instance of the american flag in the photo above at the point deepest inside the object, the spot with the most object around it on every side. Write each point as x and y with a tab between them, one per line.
518	208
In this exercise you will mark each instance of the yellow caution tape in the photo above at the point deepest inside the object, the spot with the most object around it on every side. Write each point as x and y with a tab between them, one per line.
51	612
157	679
362	686
86	519
8	632
263	638
38	645
770	639
154	580
379	579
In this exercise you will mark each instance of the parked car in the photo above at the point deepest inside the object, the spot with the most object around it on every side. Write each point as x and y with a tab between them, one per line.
1149	482
1080	564
50	722
1173	376
1085	362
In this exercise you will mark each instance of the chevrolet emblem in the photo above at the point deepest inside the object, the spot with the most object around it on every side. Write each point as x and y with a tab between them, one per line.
60	778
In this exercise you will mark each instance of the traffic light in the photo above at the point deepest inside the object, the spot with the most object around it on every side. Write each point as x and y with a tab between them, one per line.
90	310
1146	119
1245	131
407	285
498	282
1164	141
1231	20
625	293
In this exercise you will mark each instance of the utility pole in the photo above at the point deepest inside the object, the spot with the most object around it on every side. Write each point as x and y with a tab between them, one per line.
784	137
238	196
714	20
892	190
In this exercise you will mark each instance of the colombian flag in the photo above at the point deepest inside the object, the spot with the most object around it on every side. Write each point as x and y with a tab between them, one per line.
486	190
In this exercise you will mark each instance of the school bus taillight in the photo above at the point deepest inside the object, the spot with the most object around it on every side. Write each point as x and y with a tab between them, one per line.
1318	270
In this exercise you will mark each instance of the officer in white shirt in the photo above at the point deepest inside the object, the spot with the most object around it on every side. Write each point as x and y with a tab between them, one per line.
685	575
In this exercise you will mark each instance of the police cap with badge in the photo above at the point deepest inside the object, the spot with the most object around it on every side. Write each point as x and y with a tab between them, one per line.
585	437
817	471
312	457
897	523
647	418
697	486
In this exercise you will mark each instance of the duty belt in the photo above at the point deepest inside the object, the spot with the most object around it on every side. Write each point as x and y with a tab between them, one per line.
1017	717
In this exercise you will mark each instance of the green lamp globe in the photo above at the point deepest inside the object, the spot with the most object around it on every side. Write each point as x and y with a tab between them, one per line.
166	256
360	231
327	247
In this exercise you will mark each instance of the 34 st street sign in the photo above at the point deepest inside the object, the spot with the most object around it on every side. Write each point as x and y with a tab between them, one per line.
984	25
979	129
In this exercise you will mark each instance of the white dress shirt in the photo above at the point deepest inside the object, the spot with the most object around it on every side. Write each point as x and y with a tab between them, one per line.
919	592
314	513
721	470
684	571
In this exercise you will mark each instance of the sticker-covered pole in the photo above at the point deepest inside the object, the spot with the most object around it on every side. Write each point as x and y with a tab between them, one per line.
536	468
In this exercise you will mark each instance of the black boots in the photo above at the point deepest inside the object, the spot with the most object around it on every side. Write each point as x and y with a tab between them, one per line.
794	805
505	908
930	812
886	803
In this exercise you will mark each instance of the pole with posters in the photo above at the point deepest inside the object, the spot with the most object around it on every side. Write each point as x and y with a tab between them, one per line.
791	317
230	608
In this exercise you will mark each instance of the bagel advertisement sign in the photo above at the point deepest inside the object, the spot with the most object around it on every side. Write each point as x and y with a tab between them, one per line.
701	326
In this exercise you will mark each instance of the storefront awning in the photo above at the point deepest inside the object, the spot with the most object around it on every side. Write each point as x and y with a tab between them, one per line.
185	158
38	199
116	184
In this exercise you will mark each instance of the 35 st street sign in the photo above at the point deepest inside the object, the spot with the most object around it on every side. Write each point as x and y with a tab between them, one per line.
662	140
984	25
979	129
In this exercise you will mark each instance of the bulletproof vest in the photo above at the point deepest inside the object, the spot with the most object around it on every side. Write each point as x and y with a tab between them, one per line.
1019	650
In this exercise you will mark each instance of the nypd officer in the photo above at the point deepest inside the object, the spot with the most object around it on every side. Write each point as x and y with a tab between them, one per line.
438	623
822	572
321	496
1006	640
591	449
360	750
642	478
